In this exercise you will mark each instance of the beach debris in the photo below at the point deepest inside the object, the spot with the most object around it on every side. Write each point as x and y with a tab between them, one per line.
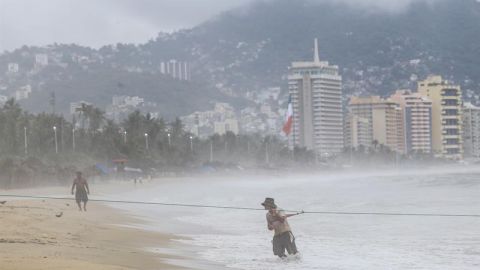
12	241
68	204
59	214
3	202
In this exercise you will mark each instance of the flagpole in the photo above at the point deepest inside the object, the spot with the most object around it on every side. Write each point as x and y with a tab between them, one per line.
293	131
289	124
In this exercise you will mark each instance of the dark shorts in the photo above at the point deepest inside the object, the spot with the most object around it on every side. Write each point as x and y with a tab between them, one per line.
282	242
81	195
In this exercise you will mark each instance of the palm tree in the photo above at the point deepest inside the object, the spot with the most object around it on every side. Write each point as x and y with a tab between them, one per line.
11	114
96	117
177	128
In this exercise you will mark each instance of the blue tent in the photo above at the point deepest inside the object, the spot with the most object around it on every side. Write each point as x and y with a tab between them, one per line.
102	168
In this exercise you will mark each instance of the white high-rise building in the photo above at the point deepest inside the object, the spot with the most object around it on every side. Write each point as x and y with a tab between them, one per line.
316	91
417	121
471	130
186	72
162	68
176	69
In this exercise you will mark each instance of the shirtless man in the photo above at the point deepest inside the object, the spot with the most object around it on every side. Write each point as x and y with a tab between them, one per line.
283	238
81	191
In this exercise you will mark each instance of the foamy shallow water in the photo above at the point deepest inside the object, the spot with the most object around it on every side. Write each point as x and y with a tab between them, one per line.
239	239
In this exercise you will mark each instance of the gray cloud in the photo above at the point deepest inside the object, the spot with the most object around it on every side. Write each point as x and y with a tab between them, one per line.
99	22
385	5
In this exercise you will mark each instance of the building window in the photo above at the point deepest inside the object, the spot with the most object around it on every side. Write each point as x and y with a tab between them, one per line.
450	92
451	112
452	141
451	122
451	131
450	102
453	151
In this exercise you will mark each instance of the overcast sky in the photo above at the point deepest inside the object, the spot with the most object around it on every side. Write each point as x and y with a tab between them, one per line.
100	22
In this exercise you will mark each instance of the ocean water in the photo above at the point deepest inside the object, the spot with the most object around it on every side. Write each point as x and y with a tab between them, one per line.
239	239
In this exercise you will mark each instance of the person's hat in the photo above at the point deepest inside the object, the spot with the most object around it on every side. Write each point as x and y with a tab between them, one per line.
269	202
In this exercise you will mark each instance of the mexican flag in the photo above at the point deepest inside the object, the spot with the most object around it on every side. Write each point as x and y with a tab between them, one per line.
287	127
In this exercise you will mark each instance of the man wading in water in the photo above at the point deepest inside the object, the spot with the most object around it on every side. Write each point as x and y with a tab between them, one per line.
81	191
277	221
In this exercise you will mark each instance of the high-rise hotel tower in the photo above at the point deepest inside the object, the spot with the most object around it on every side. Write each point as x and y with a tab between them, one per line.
384	122
471	130
446	116
417	121
316	91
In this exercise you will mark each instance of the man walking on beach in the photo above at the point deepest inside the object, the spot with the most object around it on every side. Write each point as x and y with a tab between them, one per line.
82	191
283	238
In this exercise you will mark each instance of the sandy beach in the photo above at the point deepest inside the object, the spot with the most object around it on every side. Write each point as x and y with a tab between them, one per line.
109	236
33	237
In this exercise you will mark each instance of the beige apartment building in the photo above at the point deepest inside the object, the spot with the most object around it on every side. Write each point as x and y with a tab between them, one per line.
446	116
385	121
358	131
316	91
417	119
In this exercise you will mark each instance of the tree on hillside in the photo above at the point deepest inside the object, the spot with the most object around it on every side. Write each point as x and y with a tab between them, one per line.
10	121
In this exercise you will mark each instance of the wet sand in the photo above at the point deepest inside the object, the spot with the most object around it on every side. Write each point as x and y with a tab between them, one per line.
32	237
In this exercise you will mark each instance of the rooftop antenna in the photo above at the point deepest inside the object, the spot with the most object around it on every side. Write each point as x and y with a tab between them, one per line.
316	58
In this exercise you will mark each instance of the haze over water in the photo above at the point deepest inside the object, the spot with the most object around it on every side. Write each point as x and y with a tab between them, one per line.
240	239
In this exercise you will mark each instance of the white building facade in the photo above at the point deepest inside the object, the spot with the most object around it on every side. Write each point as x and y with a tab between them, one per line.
417	114
316	91
471	130
13	68
177	69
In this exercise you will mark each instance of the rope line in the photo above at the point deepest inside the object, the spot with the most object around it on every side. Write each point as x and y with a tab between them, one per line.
248	208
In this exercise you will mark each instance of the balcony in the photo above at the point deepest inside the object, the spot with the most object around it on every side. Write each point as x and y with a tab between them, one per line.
450	102
450	92
450	112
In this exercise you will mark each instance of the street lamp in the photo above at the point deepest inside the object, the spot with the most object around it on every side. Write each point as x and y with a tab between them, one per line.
351	155
267	156
169	142
125	137
146	141
56	143
73	139
191	143
25	139
211	150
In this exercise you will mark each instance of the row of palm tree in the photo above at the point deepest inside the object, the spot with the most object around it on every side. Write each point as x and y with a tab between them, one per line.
143	140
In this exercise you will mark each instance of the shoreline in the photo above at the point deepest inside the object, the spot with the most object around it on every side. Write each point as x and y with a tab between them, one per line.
111	186
120	237
33	237
107	236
